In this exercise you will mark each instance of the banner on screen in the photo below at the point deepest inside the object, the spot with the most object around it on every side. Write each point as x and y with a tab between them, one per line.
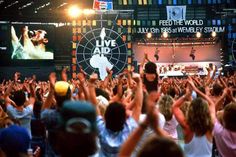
176	12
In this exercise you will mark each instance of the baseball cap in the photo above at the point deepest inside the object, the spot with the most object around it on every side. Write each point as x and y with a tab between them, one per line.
61	88
14	139
78	117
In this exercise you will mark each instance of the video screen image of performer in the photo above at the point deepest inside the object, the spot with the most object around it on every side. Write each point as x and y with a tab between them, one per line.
30	44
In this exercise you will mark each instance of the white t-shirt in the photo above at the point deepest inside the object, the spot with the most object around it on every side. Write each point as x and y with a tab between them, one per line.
148	132
170	127
161	119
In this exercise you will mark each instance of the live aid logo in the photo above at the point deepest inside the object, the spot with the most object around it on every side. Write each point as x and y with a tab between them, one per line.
104	46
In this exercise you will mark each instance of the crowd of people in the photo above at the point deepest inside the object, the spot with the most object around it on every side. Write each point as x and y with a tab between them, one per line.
132	114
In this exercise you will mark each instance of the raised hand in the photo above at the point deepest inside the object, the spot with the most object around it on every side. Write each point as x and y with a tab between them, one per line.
82	71
34	77
152	111
191	83
52	78
16	76
136	78
189	88
81	77
93	78
64	74
109	72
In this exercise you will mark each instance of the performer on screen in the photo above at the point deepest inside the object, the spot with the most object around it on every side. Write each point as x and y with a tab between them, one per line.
32	48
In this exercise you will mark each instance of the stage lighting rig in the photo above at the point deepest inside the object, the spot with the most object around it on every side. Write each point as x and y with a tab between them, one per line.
74	11
149	35
213	34
198	34
165	34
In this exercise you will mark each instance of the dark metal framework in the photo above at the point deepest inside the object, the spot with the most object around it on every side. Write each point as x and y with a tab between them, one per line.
39	10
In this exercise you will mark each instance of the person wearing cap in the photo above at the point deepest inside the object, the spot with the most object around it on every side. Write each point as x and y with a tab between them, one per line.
60	92
76	131
14	142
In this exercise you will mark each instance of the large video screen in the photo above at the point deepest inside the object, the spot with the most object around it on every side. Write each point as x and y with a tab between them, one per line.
32	42
4	38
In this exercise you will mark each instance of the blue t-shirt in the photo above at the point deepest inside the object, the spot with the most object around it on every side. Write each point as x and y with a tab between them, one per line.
111	141
23	116
50	117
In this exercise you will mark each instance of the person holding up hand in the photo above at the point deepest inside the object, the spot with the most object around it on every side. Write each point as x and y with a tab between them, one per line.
158	145
197	126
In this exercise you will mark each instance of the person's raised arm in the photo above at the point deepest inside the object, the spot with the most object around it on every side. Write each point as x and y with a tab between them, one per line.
14	38
197	81
80	92
120	87
207	98
129	145
28	45
49	99
130	80
222	82
178	112
152	115
32	92
83	85
133	139
9	89
7	93
108	78
176	87
119	94
91	86
145	59
234	79
210	78
220	101
138	97
64	74
151	119
230	95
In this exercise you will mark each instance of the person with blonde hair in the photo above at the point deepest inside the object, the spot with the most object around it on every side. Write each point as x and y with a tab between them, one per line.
165	107
198	125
